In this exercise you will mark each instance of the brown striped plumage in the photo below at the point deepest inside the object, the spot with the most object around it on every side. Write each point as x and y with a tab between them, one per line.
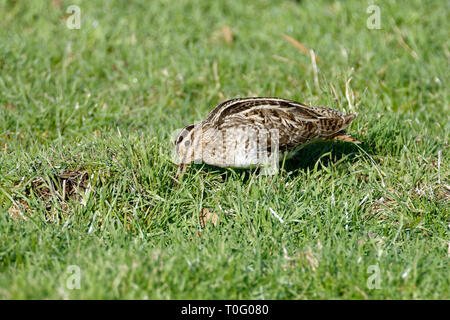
238	130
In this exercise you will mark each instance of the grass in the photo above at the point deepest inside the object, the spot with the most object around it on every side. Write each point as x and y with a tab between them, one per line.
100	104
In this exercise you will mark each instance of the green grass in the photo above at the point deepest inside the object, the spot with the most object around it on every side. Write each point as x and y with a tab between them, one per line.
106	98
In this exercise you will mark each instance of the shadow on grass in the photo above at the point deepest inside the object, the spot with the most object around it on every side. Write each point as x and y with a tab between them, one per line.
328	153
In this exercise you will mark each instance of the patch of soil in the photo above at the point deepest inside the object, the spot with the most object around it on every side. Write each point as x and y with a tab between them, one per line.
57	188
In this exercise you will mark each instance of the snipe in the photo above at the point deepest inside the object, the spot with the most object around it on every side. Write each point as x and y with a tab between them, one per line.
258	132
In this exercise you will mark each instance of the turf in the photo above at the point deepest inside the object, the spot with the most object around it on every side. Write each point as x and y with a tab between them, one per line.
100	105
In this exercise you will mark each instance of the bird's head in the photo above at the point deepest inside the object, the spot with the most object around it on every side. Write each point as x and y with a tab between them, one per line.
184	145
188	145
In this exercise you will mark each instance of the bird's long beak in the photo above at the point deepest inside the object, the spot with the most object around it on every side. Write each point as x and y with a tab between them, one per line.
181	168
180	172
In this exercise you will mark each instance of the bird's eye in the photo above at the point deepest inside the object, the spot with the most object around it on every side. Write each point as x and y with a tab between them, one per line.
187	143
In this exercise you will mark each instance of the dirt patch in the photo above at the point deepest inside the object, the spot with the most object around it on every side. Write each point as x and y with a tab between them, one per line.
56	189
65	185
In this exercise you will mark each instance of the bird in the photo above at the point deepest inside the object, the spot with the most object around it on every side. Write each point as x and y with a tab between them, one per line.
258	132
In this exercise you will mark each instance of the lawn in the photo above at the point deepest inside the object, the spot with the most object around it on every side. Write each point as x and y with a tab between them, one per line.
89	208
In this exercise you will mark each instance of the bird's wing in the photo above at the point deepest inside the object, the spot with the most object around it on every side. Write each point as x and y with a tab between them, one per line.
246	106
295	122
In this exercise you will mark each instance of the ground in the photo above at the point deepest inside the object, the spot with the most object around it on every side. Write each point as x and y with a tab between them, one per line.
88	203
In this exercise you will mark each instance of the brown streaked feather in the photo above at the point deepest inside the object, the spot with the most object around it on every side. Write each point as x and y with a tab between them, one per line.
296	123
235	106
